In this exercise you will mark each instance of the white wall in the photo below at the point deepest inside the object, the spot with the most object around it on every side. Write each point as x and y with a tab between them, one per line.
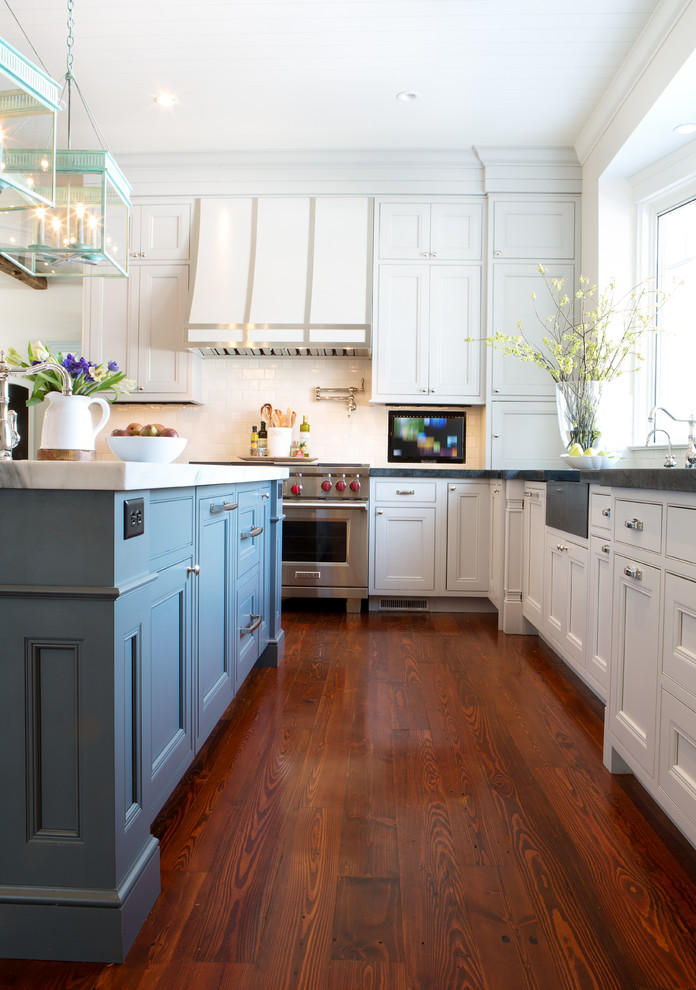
48	314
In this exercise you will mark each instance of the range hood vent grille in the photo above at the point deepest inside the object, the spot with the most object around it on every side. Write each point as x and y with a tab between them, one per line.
219	350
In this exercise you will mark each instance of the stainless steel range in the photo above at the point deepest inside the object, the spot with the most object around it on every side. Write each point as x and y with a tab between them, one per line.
325	532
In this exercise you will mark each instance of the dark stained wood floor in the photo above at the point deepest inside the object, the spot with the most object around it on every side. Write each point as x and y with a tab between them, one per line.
411	801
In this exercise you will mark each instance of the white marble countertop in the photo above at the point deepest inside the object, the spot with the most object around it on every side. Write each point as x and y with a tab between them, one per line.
127	475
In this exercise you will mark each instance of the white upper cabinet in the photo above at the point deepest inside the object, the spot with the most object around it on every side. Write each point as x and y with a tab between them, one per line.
449	231
161	232
539	230
425	315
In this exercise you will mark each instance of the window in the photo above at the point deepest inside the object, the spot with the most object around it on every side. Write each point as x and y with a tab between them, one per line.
674	356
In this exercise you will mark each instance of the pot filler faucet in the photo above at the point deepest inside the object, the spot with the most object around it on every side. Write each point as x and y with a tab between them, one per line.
690	460
9	437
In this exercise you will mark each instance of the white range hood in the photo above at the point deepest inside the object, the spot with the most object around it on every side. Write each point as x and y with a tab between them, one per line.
282	276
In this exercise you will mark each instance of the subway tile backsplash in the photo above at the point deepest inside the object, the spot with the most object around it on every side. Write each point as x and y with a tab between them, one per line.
234	390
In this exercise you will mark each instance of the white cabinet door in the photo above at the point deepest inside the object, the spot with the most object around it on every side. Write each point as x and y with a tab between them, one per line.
525	435
540	230
455	316
600	614
404	548
401	354
635	657
456	231
468	514
534	554
163	363
161	232
514	287
566	597
404	231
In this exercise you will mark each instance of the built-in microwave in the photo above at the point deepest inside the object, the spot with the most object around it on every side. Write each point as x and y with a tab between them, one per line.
433	436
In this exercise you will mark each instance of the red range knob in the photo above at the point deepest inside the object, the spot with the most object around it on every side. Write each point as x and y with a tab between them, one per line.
326	486
355	486
296	489
340	486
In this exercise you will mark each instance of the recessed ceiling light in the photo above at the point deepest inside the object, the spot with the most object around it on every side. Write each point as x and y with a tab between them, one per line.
166	100
685	129
406	96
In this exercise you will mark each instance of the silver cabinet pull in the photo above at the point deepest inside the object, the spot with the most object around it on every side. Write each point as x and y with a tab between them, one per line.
606	548
249	534
453	488
256	621
636	524
196	569
380	512
405	491
223	507
265	494
606	512
496	436
531	494
559	546
634	572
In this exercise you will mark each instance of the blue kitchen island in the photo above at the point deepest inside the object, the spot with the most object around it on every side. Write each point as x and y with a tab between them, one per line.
134	601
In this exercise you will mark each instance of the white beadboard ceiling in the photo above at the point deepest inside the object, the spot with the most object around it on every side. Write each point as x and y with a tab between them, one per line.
324	74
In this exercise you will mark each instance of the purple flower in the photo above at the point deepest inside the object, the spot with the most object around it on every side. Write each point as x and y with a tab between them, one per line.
112	366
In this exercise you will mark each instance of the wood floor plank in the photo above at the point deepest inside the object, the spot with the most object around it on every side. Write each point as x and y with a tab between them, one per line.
237	895
350	974
367	922
441	950
295	948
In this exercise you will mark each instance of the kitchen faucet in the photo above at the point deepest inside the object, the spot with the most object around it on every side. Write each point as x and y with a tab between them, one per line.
690	460
9	437
669	460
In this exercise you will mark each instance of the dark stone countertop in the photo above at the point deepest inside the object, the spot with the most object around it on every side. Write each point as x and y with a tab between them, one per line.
658	479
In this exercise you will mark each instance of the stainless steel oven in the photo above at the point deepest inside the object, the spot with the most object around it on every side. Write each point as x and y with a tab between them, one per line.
325	532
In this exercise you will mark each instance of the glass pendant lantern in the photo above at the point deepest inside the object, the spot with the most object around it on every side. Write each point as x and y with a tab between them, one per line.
29	102
83	228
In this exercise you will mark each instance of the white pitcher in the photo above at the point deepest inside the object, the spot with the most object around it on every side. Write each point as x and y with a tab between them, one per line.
68	421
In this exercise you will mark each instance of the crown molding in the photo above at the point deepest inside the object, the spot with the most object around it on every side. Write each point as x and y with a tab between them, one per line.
663	22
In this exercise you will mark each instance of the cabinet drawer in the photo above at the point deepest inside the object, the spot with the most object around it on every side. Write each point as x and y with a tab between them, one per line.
677	766
681	533
638	524
679	635
600	512
405	490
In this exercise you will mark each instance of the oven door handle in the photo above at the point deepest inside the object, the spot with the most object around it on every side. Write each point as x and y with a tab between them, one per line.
306	504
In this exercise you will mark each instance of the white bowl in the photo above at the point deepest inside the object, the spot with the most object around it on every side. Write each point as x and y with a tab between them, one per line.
587	462
157	450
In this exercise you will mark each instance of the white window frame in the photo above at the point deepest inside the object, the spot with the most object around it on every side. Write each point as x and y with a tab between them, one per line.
670	184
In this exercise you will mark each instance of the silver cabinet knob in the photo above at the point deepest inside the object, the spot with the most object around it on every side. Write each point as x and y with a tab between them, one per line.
606	512
196	569
496	436
634	572
606	548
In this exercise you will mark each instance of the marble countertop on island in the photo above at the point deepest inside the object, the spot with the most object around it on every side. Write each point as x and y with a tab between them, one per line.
127	475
